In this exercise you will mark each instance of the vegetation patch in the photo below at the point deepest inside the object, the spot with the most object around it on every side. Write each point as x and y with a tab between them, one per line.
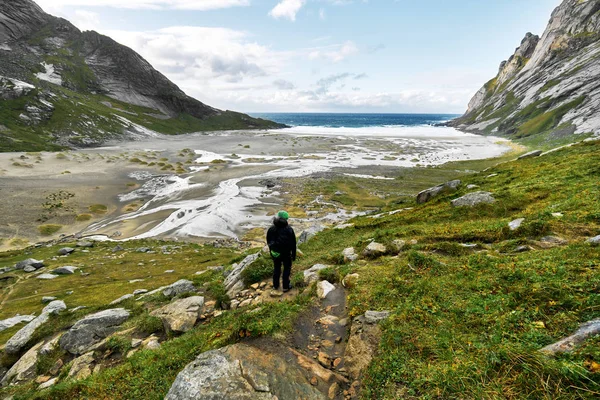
49	229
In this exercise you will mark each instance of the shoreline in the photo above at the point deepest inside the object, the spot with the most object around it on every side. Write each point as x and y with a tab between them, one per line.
97	177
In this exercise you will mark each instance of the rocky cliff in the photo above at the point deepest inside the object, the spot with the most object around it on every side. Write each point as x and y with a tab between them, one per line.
63	87
550	87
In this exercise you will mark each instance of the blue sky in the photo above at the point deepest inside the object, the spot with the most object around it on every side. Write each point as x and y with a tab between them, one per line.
319	55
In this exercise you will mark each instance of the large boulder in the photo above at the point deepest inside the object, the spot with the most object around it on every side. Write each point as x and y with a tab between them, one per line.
428	194
92	329
309	233
82	367
181	315
234	283
30	262
65	251
180	287
67	270
243	372
324	288
473	199
24	369
20	339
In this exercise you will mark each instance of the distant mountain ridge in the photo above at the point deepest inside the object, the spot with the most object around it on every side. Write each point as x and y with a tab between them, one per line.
78	73
550	87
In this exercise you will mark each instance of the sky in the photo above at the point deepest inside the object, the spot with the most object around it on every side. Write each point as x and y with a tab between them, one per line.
381	56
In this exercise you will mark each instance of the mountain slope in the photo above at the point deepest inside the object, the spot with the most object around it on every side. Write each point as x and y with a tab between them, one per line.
63	87
550	87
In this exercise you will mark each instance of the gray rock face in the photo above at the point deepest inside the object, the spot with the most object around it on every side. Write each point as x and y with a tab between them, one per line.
67	270
234	283
568	344
20	339
473	199
429	194
65	251
531	154
10	322
92	329
180	287
19	18
30	262
552	72
308	234
25	369
594	241
242	372
181	315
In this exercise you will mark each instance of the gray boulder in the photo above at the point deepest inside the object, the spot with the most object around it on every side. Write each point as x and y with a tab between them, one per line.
181	315
243	372
122	299
46	277
374	250
92	329
567	345
349	254
312	274
234	283
67	270
16	320
516	224
23	370
309	233
531	154
428	194
179	287
65	251
20	339
595	241
85	244
30	262
473	199
374	317
29	269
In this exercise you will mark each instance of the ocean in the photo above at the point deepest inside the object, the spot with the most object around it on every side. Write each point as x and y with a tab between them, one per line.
327	120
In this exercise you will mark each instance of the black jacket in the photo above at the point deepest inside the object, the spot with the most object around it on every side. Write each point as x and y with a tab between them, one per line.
281	238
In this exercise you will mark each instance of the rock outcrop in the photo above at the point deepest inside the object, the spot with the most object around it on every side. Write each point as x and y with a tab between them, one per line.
24	369
549	85
428	194
92	329
234	283
181	315
474	199
20	339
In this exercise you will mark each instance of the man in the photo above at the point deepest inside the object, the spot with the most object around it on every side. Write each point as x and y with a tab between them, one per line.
282	244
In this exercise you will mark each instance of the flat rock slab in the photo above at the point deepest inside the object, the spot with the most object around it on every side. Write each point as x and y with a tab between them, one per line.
324	288
473	199
65	251
10	322
20	339
181	315
244	372
47	277
67	270
586	331
92	329
234	283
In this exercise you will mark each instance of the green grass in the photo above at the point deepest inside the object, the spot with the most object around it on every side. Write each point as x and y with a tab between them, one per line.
49	229
98	208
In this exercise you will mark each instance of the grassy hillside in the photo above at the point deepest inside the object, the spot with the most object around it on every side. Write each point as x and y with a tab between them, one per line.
467	323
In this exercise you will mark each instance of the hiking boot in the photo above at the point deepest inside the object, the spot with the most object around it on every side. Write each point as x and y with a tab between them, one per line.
288	289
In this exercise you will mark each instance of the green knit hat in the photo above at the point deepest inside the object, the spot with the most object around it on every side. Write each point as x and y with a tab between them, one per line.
283	215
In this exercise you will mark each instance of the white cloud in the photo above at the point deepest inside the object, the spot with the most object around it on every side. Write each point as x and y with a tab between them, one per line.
335	53
282	84
86	20
322	15
49	5
287	9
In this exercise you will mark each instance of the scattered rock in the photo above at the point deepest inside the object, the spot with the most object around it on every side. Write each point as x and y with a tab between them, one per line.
491	176
68	270
428	194
324	288
181	315
92	329
473	199
471	187
20	339
122	299
309	233
374	317
312	274
180	287
344	226
324	359
139	291
398	245
153	344
558	215
82	366
51	345
234	283
65	251
333	391
522	249
47	277
85	244
47	299
595	241
117	248
374	250
30	262
143	249
56	367
48	384
29	269
516	224
350	280
349	255
531	154
554	240
568	344
24	369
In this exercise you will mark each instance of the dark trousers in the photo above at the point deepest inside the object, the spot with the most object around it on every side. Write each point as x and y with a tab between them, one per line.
287	269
